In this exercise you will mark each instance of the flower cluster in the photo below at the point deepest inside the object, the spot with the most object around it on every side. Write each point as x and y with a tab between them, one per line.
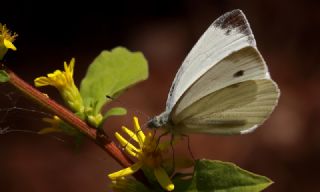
58	125
63	81
6	40
149	153
55	124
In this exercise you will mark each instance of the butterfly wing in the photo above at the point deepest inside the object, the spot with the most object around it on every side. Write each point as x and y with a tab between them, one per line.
229	33
233	97
242	65
235	109
223	86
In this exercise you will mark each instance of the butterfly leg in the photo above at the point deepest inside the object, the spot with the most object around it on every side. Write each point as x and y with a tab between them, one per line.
154	133
189	147
159	138
173	157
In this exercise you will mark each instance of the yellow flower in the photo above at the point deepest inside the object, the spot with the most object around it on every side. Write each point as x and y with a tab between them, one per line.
54	125
6	40
149	153
58	125
63	81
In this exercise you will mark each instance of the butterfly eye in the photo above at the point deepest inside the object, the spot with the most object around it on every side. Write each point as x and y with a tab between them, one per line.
238	74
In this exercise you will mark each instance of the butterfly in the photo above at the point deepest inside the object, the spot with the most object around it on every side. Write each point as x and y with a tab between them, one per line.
223	86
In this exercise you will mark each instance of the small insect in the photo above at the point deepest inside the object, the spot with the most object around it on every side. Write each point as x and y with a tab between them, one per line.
223	85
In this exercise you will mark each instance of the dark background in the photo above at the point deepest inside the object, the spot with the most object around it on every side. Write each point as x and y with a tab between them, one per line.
286	148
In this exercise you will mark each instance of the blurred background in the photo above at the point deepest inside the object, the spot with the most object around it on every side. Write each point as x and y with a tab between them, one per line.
286	148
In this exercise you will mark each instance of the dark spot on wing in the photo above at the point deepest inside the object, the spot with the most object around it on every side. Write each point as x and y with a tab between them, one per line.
228	32
238	74
172	89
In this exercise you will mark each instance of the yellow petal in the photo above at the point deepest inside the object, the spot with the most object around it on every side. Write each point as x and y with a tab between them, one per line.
69	69
8	44
132	150
48	120
65	65
42	81
56	74
163	179
52	120
71	65
125	172
137	128
130	133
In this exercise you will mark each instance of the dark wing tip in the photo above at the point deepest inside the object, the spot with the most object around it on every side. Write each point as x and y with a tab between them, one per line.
231	19
235	20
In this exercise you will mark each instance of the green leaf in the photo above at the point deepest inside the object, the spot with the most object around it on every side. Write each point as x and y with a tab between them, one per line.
110	74
116	111
4	77
221	176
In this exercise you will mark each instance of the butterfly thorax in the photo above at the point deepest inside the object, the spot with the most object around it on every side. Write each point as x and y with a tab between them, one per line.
158	121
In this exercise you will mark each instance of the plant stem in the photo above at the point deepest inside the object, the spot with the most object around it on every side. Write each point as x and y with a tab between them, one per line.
99	137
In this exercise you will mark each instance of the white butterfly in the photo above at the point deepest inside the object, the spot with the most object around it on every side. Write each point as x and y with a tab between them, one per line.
223	85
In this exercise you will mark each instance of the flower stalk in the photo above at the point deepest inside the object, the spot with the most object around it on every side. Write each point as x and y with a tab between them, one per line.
98	136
